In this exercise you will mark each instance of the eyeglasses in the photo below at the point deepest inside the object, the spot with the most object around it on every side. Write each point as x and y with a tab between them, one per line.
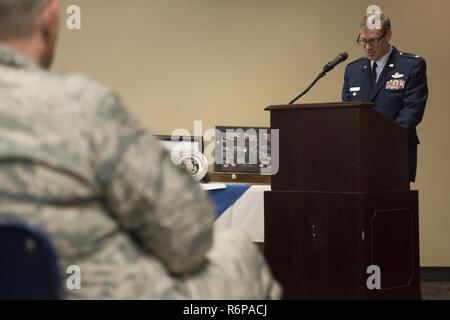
373	42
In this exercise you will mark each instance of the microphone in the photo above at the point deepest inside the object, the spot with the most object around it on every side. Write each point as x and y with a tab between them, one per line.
340	58
328	67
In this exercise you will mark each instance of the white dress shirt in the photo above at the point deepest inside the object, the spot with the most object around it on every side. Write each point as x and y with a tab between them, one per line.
381	62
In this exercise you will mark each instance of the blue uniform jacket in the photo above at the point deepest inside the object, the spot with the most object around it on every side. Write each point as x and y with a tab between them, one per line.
400	93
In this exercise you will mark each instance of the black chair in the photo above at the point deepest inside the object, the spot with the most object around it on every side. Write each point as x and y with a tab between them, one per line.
28	263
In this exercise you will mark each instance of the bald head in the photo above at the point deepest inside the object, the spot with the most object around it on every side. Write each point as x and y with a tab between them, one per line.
30	26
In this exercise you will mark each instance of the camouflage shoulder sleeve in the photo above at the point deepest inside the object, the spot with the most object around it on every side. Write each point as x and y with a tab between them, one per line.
159	204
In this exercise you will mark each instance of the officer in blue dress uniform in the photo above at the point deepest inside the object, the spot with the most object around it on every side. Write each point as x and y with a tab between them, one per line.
395	81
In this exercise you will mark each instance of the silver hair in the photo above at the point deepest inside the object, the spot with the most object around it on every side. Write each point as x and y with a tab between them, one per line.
18	17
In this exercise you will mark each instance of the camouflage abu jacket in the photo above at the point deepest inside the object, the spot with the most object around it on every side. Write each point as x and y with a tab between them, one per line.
75	163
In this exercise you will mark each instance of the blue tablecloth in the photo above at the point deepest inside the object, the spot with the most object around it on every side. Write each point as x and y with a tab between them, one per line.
224	198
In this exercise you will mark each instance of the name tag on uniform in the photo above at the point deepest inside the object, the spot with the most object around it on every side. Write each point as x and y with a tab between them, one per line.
355	89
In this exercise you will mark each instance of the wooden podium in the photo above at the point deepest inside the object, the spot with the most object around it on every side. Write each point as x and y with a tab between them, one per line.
340	203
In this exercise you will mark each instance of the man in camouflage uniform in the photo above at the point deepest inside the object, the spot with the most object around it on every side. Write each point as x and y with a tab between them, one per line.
75	163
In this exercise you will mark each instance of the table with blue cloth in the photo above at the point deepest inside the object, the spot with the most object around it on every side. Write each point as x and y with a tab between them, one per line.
224	198
239	207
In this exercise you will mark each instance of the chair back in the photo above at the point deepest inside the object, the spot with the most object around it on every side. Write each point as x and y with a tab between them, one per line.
28	263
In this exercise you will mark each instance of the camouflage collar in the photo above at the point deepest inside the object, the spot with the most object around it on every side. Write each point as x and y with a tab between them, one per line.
14	58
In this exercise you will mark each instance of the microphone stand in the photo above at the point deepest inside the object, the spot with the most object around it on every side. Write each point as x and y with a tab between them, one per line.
322	74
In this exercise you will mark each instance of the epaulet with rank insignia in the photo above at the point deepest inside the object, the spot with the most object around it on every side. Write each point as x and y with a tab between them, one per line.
358	60
409	55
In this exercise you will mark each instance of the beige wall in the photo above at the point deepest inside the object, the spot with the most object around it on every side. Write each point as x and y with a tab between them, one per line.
223	61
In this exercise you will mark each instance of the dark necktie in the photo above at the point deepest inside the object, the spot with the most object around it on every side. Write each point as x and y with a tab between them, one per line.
374	74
